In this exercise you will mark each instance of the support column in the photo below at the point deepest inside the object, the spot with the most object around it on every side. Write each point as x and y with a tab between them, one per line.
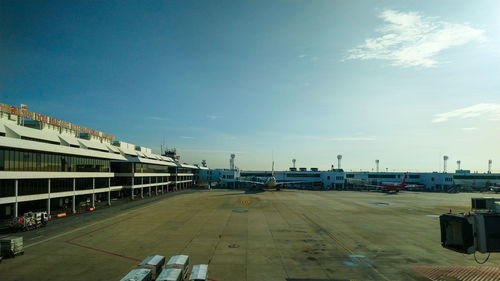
48	200
149	192
93	193
16	191
162	190
74	197
109	191
142	188
156	190
132	187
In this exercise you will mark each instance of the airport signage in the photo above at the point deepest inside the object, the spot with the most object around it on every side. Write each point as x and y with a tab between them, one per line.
23	112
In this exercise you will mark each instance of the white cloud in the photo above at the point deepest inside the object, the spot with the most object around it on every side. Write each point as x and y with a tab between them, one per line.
157	118
469	129
411	39
212	116
489	110
337	139
352	139
301	56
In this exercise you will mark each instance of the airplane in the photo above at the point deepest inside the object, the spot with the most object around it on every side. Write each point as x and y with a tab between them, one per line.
391	187
271	182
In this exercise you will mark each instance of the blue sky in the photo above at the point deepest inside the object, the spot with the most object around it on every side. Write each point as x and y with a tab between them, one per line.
405	82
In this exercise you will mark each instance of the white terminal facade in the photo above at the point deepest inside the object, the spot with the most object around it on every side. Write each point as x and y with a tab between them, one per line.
461	180
47	164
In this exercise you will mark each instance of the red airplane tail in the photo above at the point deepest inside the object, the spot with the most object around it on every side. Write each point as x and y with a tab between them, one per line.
403	180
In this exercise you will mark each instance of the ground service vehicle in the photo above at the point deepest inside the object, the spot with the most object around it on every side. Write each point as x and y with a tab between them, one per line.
140	274
170	274
154	263
199	272
179	261
11	246
29	221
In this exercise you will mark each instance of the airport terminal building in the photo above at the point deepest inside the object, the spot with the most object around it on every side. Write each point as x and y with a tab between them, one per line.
51	165
338	179
47	164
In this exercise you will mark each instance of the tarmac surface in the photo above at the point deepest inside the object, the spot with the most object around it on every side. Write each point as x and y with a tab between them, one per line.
285	235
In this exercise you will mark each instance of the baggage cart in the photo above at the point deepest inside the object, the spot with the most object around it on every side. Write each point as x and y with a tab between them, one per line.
170	274
154	263
11	246
139	274
179	261
199	272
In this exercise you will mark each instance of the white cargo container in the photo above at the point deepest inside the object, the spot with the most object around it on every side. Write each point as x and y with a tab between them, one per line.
170	274
11	246
179	261
199	272
154	263
140	274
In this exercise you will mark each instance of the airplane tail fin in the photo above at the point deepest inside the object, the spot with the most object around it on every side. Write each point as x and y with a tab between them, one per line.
403	180
272	173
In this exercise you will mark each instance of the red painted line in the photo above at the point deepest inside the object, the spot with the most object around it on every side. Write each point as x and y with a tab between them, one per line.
70	241
102	251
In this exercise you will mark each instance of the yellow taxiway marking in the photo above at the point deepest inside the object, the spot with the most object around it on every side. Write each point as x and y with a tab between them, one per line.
344	246
245	202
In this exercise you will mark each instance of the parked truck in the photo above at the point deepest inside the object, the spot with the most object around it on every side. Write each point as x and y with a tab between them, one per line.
29	221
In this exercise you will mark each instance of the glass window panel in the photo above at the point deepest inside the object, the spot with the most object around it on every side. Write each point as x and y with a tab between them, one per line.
2	166
17	160
38	161
44	162
11	160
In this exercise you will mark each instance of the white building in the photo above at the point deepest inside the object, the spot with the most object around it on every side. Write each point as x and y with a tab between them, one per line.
49	164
